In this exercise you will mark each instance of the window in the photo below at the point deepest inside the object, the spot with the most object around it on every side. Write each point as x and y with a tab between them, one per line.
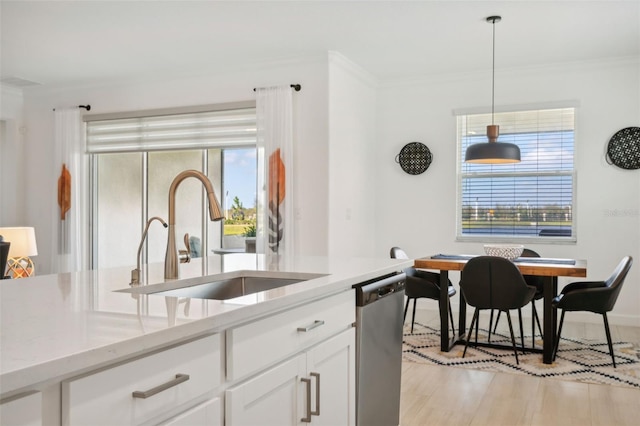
517	202
134	158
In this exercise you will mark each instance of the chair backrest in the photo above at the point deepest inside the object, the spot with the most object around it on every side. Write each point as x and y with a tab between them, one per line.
195	247
614	282
529	253
532	280
489	282
398	253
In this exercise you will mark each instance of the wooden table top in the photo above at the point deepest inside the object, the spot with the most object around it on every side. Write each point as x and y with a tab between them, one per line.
576	269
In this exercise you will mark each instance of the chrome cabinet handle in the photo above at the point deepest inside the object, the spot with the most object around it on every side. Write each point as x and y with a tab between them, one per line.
316	324
307	418
146	394
317	376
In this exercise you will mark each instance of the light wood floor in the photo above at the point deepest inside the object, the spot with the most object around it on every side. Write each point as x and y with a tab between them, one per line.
435	395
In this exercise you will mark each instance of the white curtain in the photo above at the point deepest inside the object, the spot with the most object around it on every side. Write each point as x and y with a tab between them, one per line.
69	223
274	111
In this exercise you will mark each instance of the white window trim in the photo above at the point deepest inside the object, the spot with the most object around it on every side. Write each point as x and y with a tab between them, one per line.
459	177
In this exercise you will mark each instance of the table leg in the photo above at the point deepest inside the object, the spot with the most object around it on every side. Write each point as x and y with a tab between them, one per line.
550	319
444	311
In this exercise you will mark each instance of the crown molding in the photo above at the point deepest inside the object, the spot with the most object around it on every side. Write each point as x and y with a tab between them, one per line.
574	66
338	59
11	89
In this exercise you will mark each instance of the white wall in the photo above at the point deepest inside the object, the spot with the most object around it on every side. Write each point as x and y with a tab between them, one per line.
12	207
311	134
343	162
351	159
418	212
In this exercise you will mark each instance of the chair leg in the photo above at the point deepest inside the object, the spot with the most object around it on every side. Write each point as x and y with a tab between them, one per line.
513	338
490	326
474	320
406	307
533	325
413	317
495	327
555	347
453	329
477	324
606	328
521	328
534	315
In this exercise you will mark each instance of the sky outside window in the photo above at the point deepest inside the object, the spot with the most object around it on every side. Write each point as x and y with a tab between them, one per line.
240	176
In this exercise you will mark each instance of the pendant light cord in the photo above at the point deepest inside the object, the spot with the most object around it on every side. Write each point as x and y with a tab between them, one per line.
493	72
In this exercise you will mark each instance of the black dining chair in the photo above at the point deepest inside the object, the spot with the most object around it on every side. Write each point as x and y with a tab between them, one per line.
489	282
538	283
421	284
594	296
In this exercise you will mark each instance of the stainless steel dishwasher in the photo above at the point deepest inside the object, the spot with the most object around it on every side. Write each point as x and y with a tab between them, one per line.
379	318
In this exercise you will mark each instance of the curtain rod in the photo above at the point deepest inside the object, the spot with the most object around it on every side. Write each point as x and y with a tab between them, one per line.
296	87
87	107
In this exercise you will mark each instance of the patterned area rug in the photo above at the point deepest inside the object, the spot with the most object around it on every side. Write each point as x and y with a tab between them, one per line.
585	361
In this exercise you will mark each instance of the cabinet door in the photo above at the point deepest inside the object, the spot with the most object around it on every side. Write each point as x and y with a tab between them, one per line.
270	398
331	367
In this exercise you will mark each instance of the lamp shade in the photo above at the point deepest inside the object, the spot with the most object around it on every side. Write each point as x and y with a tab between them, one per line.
22	239
492	153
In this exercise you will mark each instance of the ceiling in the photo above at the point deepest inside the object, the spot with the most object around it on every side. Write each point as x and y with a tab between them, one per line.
58	43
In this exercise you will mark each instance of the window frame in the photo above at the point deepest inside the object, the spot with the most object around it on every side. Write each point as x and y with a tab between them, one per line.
462	174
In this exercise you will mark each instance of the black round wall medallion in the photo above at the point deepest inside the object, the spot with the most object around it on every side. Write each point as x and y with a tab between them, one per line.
624	148
414	158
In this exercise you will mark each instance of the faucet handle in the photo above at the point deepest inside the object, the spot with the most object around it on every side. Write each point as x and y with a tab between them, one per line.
135	277
185	255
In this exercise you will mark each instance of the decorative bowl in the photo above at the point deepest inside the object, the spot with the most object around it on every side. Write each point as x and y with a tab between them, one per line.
508	251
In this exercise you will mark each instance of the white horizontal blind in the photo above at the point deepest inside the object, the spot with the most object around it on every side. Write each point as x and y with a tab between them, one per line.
197	130
533	198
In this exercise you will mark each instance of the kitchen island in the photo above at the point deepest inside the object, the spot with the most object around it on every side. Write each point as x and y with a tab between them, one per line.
61	333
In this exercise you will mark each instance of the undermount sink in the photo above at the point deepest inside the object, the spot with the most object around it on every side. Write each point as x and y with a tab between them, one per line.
224	286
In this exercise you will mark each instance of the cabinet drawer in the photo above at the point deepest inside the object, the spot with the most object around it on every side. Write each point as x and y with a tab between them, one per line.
256	345
208	413
107	397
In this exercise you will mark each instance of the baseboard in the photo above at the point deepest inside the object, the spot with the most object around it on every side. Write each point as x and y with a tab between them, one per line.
584	317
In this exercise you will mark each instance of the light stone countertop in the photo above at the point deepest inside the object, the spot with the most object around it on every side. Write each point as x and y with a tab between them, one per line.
55	326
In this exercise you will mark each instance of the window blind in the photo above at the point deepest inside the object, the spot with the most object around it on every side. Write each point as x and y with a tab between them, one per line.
195	130
533	198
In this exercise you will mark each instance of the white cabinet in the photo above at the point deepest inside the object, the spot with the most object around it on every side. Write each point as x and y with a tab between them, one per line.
25	410
150	389
317	386
294	367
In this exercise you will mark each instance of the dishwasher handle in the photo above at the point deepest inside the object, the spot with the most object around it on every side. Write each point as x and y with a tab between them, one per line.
372	291
385	291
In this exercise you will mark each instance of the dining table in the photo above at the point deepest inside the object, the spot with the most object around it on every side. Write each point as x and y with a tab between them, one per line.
548	268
